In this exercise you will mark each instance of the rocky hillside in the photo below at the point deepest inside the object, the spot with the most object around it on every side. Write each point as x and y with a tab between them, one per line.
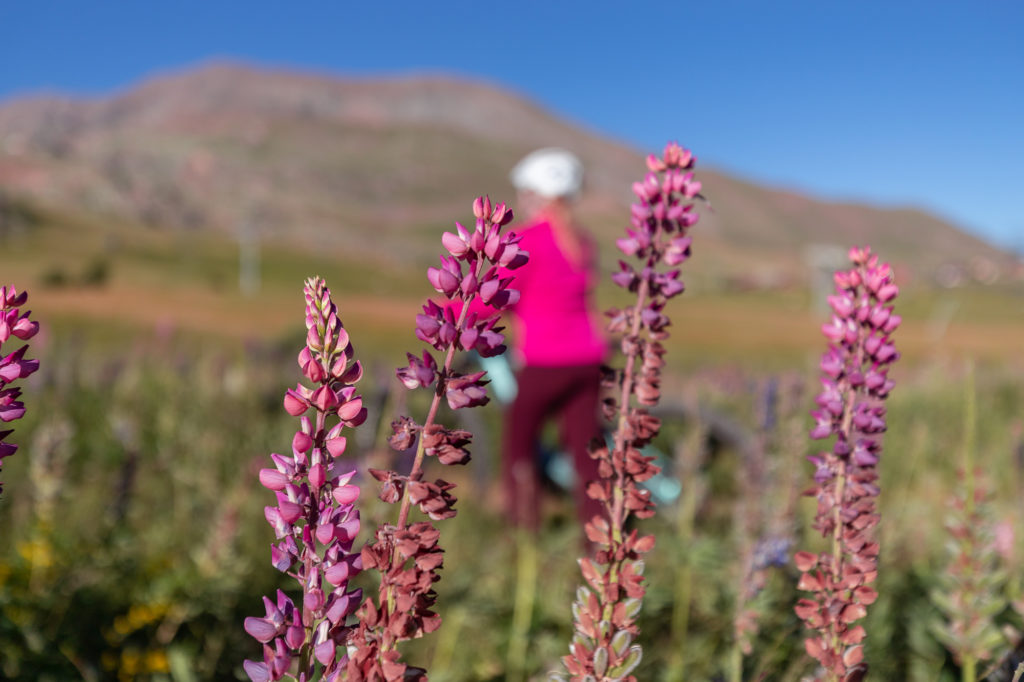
332	163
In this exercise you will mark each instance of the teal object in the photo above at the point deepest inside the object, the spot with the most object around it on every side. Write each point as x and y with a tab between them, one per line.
503	381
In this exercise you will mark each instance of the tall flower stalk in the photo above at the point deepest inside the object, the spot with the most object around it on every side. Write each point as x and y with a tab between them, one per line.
850	408
606	609
970	591
13	366
407	554
314	519
768	496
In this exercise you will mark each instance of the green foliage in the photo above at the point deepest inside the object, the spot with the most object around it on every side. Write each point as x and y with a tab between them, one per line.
54	277
970	592
133	544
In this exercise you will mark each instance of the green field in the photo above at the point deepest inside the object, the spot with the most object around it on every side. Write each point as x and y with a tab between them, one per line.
113	280
133	542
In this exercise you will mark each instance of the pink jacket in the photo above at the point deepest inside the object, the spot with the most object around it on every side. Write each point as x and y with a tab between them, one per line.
554	320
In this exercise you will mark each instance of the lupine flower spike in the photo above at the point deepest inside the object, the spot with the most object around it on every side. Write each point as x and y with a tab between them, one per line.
606	609
407	554
970	593
855	379
314	518
13	366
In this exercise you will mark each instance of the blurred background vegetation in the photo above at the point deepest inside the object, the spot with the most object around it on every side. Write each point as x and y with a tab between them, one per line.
134	542
166	271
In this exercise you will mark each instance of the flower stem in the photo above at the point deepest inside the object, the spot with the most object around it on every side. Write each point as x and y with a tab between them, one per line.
736	663
618	515
526	592
969	672
435	403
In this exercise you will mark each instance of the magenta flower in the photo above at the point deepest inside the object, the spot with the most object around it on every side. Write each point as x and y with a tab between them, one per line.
606	609
314	519
407	554
13	366
855	382
418	373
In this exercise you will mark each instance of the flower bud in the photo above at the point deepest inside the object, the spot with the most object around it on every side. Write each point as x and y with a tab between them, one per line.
294	404
443	281
502	214
469	285
455	246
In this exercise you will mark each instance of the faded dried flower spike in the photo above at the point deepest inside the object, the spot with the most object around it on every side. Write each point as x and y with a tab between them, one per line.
407	554
606	609
855	380
13	366
314	519
970	591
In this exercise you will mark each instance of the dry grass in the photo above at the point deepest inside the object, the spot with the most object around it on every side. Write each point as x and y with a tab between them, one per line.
189	282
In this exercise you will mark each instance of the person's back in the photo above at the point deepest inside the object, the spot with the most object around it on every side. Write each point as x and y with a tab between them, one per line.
555	324
557	334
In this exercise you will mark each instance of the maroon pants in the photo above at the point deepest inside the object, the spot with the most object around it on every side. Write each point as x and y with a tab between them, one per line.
571	395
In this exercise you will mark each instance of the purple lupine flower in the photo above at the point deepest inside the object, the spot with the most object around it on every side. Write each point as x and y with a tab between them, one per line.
850	407
314	519
763	523
407	554
418	373
606	609
13	366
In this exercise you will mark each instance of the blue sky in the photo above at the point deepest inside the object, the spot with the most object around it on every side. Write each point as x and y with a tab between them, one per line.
896	103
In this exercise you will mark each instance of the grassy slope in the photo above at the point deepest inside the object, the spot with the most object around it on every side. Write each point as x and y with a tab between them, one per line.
189	282
328	162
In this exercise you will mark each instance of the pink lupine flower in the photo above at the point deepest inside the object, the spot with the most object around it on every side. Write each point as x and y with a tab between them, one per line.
418	373
407	554
314	519
13	366
850	407
606	609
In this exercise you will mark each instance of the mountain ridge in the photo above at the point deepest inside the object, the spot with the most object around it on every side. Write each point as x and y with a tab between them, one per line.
312	158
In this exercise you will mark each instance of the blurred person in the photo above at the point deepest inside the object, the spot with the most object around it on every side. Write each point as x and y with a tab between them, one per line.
558	344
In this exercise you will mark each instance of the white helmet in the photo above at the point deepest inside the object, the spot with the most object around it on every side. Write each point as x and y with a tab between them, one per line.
550	172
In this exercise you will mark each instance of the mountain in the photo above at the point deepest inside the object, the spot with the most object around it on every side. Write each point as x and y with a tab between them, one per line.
323	163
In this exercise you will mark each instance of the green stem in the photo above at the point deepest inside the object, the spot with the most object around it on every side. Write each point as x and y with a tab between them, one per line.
970	430
969	671
736	663
448	640
526	592
680	624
